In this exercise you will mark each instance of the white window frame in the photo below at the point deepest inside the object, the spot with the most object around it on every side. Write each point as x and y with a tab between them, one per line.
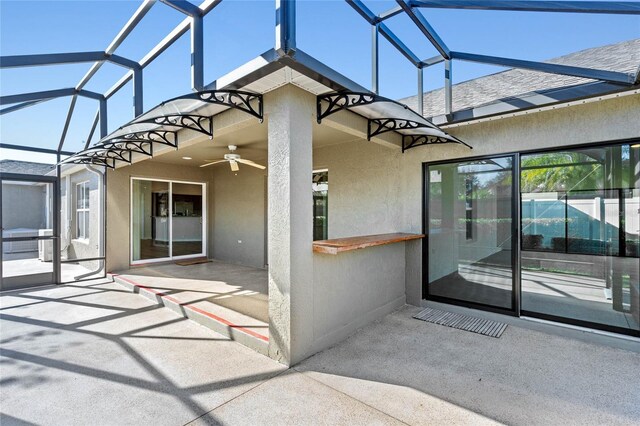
171	257
82	234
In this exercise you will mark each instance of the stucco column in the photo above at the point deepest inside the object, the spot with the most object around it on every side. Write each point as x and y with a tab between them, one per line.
290	112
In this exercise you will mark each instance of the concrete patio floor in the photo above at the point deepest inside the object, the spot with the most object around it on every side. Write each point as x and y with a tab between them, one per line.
27	270
95	353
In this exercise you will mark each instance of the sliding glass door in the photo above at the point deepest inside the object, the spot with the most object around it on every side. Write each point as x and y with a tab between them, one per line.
580	236
470	229
167	220
576	256
187	220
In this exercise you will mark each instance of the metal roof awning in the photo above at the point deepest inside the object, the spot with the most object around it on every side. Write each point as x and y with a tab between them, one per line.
385	115
161	124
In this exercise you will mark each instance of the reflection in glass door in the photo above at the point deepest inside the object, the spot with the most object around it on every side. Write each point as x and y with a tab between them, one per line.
150	220
186	219
167	220
470	228
580	236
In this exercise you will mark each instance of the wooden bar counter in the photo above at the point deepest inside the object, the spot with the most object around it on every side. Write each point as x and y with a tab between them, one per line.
339	245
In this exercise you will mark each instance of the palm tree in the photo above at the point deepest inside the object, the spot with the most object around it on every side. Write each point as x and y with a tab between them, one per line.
562	171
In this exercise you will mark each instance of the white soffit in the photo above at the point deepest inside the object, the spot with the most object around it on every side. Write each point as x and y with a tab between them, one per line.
285	76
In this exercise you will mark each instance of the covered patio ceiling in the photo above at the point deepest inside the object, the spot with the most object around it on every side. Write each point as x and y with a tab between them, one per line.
161	125
251	141
299	68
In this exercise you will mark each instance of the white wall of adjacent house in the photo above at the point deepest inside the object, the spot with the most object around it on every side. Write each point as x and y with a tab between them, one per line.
15	196
24	213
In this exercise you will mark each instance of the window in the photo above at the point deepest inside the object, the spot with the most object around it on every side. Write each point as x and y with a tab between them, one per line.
82	210
320	200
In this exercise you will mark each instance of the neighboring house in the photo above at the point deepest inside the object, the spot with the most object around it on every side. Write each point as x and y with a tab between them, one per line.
27	211
25	167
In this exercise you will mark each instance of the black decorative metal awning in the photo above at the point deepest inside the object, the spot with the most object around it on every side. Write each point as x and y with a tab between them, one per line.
386	115
160	125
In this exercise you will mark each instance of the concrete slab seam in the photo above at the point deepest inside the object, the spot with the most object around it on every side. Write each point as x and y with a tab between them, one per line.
349	396
237	396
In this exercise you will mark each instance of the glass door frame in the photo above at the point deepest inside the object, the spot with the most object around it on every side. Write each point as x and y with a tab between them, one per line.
515	240
55	213
170	258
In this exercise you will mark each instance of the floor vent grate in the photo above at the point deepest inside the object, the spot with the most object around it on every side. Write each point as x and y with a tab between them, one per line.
463	322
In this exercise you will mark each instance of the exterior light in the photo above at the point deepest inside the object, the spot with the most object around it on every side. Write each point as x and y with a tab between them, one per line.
637	145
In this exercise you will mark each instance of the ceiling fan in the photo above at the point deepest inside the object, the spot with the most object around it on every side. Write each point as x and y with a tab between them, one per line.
233	159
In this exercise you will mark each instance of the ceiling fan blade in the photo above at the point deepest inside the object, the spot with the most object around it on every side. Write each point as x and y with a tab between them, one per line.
215	162
234	166
251	163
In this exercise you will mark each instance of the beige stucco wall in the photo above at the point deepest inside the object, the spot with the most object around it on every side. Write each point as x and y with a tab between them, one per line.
290	231
239	205
119	203
354	288
364	188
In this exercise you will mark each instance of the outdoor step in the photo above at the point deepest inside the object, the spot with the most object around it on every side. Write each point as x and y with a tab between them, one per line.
241	328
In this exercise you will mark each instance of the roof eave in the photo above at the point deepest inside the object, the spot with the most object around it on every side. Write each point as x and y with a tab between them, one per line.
563	96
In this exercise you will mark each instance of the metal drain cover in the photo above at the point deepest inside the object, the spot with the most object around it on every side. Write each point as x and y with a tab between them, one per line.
463	322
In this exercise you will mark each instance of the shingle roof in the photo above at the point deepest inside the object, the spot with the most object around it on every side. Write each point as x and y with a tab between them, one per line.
25	167
621	57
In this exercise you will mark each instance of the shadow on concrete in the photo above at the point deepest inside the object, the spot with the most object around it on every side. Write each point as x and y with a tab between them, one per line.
414	371
96	327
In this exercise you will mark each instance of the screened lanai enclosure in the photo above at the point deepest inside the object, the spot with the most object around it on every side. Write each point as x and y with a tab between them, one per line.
527	228
40	246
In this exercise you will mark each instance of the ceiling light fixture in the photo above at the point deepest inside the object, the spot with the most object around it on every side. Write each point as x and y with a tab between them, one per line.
187	158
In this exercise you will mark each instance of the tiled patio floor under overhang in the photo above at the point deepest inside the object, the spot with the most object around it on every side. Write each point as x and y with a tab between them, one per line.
230	299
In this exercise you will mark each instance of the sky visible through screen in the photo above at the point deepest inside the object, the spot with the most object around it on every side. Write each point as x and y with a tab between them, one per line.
237	31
